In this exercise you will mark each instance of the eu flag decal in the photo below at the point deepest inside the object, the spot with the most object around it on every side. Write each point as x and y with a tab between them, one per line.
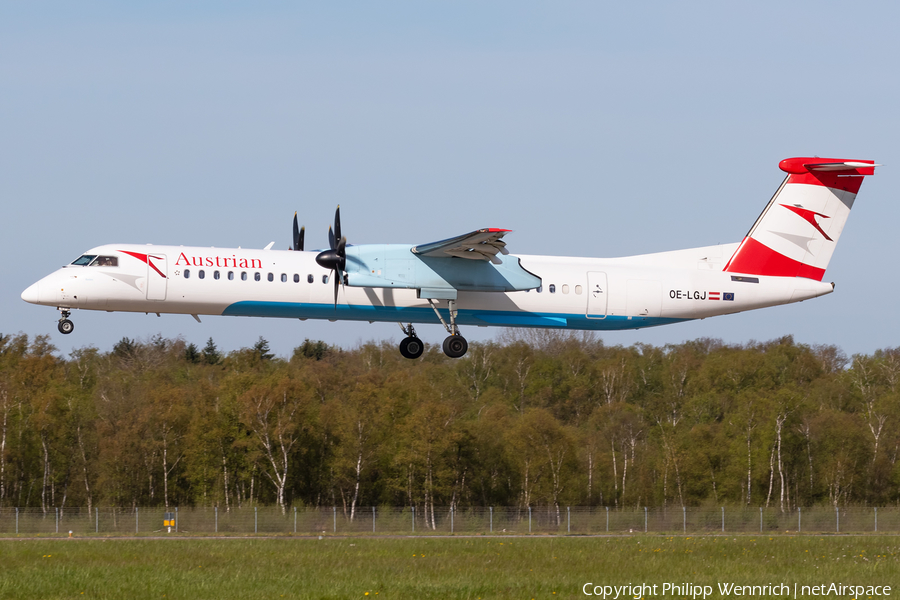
728	296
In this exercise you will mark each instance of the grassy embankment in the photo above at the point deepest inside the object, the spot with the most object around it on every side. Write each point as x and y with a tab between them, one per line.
440	568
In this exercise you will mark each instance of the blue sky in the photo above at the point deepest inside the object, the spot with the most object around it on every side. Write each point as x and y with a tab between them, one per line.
590	129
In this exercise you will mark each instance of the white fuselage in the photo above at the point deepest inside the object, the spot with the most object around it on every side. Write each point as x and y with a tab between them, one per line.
576	293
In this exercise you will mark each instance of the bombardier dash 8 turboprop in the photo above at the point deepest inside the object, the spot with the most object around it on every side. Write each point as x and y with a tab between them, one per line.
473	280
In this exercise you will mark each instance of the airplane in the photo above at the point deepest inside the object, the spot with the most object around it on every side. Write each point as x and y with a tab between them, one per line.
473	280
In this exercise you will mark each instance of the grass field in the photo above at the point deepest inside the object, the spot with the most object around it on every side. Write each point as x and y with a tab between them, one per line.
440	568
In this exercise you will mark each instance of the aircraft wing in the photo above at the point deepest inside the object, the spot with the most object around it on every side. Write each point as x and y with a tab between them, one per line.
483	244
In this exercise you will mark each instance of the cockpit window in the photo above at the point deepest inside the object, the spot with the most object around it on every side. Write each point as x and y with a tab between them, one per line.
84	260
105	261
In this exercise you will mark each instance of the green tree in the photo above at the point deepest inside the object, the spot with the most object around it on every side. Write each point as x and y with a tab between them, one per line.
211	354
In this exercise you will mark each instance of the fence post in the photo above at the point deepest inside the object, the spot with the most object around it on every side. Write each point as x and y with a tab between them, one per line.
255	519
529	519
799	520
451	519
876	519
334	513
684	518
645	519
135	519
723	519
176	519
607	519
837	514
17	520
57	519
414	518
492	519
568	520
97	522
217	519
760	519
373	519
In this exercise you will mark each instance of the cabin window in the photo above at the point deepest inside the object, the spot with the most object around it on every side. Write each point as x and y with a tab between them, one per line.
230	275
257	276
324	278
105	261
296	278
565	288
187	273
578	290
201	274
552	288
270	277
215	274
244	276
309	278
283	278
540	289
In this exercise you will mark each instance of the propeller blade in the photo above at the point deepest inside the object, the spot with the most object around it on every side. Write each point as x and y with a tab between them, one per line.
337	223
341	265
335	259
296	244
302	237
337	283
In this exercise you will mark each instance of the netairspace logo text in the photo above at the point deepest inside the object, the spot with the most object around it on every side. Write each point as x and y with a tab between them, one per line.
638	591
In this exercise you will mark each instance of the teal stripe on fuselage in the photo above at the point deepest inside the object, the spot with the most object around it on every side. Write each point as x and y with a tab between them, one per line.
392	314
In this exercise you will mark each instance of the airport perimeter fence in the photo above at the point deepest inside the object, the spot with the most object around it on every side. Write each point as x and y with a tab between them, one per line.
470	521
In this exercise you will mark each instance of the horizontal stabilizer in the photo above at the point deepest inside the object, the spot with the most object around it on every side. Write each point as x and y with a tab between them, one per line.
798	166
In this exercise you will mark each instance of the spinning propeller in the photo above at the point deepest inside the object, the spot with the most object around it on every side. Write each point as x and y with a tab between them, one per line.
335	258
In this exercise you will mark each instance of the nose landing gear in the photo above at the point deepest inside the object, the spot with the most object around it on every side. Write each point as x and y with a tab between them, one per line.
65	325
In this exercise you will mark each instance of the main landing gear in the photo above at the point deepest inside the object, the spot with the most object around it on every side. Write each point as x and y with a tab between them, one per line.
411	346
454	346
65	325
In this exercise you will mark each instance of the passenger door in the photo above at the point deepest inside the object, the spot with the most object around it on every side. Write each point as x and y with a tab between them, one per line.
596	295
157	276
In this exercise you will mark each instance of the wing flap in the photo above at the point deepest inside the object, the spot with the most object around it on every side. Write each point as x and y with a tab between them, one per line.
483	244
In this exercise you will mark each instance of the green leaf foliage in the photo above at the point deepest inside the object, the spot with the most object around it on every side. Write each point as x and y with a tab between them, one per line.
533	419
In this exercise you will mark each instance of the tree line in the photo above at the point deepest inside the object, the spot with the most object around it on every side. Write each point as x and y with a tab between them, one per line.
533	419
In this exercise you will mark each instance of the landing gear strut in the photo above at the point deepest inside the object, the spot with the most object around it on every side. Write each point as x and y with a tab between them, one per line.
455	345
411	346
65	325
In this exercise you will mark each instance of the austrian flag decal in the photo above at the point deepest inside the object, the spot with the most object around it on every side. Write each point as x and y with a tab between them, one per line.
727	296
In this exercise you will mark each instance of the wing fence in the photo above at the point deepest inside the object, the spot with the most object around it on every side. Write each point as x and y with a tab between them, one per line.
575	520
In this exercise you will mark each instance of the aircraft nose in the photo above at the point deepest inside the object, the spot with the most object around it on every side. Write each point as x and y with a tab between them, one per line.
32	293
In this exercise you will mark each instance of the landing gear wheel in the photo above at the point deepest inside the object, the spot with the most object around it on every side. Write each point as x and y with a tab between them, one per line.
66	326
455	346
411	347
